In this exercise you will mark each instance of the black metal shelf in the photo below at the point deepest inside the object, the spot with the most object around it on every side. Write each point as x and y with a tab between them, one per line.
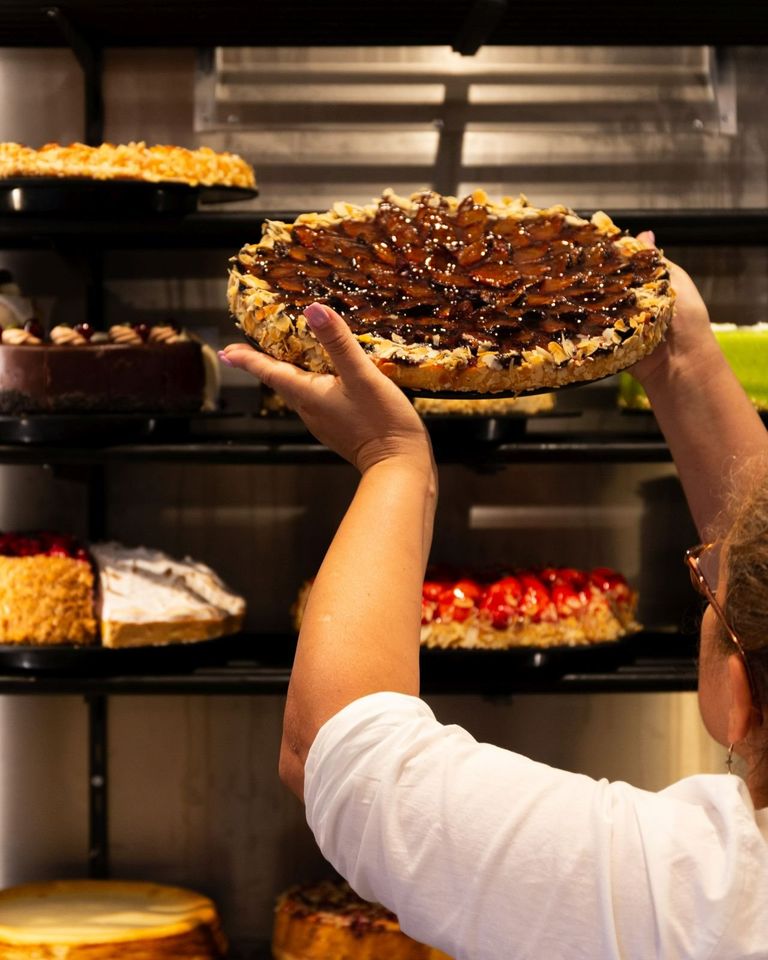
230	229
480	442
650	661
461	24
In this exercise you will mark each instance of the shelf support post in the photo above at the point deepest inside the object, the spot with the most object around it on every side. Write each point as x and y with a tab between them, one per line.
482	19
98	820
90	58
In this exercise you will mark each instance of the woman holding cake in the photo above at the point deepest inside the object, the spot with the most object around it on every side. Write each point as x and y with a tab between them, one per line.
478	850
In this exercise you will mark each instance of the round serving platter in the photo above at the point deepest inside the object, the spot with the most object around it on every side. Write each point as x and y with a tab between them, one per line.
81	196
464	394
89	429
500	666
73	661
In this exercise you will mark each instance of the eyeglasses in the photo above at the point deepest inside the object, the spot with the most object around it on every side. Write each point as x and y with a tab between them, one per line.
703	563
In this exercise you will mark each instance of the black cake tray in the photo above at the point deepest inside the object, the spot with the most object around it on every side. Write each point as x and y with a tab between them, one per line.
76	661
83	197
91	429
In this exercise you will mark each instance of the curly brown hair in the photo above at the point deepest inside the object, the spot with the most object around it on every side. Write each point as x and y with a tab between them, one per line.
746	559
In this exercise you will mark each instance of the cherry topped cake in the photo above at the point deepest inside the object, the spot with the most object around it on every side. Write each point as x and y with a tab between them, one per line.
540	607
328	920
457	295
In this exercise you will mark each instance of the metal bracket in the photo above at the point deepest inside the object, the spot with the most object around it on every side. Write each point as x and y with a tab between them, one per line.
482	19
90	58
98	821
722	80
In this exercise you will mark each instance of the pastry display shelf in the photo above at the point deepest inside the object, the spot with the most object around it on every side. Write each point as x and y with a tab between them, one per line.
481	456
650	661
461	24
216	228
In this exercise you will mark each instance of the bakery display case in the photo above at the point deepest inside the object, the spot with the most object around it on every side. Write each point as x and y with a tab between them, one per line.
199	482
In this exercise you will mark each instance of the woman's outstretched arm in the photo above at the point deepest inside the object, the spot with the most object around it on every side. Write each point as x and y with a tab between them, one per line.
360	630
708	421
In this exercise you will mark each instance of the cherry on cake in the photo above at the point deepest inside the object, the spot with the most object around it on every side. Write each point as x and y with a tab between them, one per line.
108	920
328	921
457	295
148	598
46	590
540	607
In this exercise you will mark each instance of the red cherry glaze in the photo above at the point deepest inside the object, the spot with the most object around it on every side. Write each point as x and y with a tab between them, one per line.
536	603
606	579
500	601
576	579
543	595
41	543
566	600
467	589
432	589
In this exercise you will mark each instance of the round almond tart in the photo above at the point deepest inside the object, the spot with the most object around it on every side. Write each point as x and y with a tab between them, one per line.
457	296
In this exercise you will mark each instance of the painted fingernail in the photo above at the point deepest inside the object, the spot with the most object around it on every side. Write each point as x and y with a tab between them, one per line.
317	315
225	359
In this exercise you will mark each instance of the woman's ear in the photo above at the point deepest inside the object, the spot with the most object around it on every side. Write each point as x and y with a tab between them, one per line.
743	715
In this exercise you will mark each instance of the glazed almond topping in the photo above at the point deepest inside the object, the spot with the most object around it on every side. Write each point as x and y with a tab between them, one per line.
463	278
337	900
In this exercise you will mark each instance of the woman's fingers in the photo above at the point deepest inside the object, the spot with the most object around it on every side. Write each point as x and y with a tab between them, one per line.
347	355
289	381
647	238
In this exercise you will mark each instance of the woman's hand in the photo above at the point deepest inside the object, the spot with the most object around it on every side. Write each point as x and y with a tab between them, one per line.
690	335
359	412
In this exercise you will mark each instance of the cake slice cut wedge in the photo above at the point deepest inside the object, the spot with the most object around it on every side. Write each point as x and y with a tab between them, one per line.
147	598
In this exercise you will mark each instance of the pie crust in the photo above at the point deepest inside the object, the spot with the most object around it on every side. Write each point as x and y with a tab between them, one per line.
465	296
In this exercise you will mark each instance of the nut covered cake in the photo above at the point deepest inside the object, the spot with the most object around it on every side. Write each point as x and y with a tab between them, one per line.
541	607
46	590
451	295
328	921
108	920
161	163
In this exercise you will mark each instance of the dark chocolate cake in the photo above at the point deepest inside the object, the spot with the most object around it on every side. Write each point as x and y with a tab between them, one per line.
104	377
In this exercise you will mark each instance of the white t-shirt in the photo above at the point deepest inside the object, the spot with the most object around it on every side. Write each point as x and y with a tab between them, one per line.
491	856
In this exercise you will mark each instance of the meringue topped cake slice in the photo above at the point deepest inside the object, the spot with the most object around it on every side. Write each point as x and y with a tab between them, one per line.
148	598
460	296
